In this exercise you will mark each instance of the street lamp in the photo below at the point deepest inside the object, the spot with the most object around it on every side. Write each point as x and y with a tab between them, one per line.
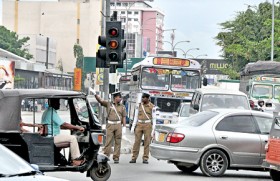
185	53
203	55
174	46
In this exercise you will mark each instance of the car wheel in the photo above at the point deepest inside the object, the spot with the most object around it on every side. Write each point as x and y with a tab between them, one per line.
275	175
214	163
187	169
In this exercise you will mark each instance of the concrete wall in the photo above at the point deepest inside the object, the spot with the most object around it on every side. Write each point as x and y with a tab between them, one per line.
58	21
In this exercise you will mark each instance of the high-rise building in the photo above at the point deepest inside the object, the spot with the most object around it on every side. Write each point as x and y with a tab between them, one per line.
142	24
61	23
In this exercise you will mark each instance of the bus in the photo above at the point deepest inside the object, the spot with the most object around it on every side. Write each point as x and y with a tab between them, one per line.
169	81
123	85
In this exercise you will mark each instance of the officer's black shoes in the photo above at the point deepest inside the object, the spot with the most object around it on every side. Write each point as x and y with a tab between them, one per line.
145	162
116	161
132	161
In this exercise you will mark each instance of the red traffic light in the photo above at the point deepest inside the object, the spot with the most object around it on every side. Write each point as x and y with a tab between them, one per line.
113	32
113	44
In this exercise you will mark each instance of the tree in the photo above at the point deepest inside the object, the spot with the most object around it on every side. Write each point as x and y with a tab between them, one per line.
10	41
79	55
247	38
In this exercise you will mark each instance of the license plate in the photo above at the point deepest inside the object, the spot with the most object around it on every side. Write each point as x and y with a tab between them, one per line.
161	137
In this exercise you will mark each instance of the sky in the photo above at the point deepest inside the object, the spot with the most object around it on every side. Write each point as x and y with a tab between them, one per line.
198	21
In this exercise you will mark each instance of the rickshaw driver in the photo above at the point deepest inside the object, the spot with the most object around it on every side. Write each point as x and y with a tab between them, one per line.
50	115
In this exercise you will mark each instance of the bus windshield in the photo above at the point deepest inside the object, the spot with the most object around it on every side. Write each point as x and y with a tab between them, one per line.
182	80
155	78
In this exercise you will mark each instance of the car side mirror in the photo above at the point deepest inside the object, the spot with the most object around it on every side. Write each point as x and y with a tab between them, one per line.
247	88
205	81
134	77
196	107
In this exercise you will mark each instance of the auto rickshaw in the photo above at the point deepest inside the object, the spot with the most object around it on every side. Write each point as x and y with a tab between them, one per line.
40	149
272	159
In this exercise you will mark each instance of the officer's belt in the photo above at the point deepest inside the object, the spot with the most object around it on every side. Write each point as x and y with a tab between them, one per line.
114	122
144	121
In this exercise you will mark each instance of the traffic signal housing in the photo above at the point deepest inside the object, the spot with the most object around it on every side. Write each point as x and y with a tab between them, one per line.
101	59
115	44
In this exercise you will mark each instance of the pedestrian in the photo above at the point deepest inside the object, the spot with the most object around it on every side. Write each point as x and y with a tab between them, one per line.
116	124
22	105
144	125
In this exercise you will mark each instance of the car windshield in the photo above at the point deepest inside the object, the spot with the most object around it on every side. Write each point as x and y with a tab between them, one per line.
182	80
262	91
212	101
199	118
12	164
155	78
277	92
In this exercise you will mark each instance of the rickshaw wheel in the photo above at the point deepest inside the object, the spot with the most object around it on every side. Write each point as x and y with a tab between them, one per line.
100	174
275	175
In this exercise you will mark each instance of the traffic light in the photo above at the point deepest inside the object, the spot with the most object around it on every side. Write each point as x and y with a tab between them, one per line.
101	60
115	44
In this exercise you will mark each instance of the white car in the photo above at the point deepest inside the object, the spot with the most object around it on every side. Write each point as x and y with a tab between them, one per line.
14	168
181	113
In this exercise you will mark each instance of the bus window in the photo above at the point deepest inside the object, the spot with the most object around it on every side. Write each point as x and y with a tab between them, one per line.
182	80
155	78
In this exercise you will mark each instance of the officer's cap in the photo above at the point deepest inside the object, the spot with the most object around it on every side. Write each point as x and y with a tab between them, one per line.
115	94
146	95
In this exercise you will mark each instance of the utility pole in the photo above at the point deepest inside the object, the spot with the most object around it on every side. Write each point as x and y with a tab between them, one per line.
272	32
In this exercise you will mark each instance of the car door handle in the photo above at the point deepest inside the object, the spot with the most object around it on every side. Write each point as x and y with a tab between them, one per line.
224	137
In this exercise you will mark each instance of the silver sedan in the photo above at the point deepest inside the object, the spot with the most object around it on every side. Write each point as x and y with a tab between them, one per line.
214	140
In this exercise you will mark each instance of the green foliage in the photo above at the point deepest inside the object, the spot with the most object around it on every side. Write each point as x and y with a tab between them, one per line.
247	38
233	74
10	41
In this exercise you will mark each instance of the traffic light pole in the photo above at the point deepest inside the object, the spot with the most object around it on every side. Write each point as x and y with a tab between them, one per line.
106	70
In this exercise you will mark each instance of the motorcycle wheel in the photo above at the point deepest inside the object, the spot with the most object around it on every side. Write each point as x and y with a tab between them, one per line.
101	174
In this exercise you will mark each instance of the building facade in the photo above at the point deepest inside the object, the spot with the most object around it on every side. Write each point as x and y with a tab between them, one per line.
61	23
142	24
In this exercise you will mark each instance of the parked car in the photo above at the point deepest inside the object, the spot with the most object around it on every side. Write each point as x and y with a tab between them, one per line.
272	160
181	113
213	98
214	140
14	168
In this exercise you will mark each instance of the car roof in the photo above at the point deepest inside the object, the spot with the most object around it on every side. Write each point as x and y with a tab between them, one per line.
217	90
39	93
229	111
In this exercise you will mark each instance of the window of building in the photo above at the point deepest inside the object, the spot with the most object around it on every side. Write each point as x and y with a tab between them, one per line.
135	19
119	4
129	19
129	12
122	12
123	20
125	4
136	12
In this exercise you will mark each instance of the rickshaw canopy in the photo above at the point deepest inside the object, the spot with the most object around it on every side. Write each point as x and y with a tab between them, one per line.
10	104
